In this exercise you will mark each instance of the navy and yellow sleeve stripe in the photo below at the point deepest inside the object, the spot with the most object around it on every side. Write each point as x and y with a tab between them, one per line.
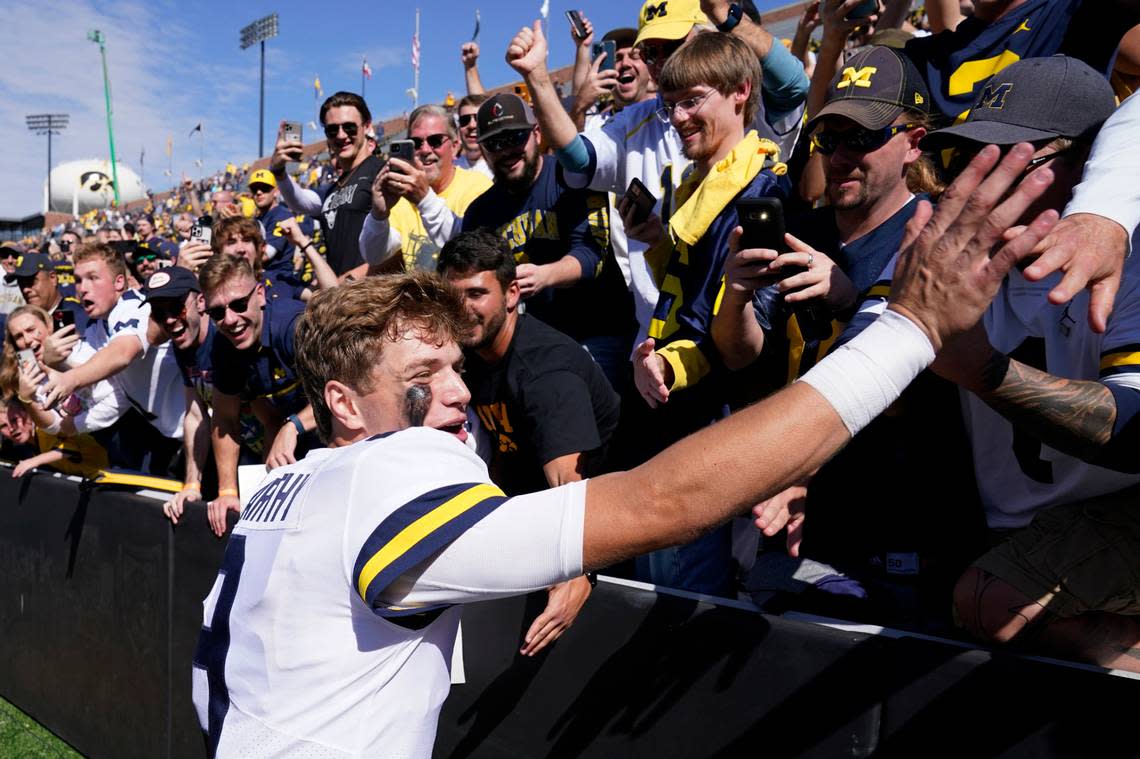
1120	360
881	289
415	531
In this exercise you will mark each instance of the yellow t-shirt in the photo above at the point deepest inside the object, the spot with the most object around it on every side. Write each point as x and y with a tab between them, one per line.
419	251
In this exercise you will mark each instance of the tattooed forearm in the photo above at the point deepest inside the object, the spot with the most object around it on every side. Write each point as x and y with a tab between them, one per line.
1072	416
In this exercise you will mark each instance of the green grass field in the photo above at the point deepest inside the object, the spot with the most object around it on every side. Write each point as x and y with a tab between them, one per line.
21	736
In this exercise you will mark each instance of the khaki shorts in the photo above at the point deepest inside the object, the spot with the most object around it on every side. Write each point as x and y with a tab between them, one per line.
1076	557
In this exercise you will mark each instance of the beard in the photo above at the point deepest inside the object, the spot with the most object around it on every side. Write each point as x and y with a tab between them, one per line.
491	329
524	180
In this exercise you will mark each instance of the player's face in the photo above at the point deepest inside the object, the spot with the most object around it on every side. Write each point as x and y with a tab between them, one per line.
98	287
486	302
27	331
856	179
238	305
417	382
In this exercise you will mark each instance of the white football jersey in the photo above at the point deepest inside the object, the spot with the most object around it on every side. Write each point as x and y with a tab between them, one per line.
1017	475
330	628
152	382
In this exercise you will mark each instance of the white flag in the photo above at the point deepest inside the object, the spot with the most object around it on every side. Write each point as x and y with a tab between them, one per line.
545	10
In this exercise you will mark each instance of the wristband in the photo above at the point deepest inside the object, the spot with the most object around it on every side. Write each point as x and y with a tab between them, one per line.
296	424
227	491
865	376
308	245
734	14
191	486
25	401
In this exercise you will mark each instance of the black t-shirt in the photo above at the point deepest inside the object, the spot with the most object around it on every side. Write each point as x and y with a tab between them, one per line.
546	398
342	215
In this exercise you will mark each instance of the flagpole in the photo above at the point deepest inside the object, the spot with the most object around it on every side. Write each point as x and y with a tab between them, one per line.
416	80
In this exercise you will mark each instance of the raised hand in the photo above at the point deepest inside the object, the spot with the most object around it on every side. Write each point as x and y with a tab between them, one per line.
955	257
527	51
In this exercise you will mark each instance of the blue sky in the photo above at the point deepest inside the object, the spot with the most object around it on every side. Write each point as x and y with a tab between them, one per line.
173	65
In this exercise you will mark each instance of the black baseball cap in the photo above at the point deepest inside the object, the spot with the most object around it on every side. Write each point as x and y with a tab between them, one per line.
502	113
1034	100
28	264
171	282
874	88
622	37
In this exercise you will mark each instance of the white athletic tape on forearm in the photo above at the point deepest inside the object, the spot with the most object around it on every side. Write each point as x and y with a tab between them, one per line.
865	376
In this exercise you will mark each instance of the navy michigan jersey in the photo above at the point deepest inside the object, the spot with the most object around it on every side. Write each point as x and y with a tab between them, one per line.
330	628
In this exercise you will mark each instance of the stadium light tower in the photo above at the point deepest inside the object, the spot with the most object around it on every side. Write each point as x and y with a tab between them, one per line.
49	124
97	37
260	31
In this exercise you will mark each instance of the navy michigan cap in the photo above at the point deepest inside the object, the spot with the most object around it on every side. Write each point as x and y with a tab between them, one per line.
1034	100
28	264
874	88
171	282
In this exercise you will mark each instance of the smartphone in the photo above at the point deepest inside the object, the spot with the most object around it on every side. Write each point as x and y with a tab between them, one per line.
576	24
62	317
762	220
609	49
642	199
203	231
292	132
124	248
26	359
405	150
863	10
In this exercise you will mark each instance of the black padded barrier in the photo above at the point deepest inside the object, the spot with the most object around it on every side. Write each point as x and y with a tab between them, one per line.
100	607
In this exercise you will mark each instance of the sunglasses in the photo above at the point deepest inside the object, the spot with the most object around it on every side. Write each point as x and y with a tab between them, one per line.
238	306
146	257
350	129
258	189
466	119
174	309
656	52
9	253
859	140
434	141
506	140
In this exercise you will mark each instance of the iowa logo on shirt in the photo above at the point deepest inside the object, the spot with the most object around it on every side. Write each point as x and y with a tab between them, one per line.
498	424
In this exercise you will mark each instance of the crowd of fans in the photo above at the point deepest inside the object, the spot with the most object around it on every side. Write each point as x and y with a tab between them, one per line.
622	256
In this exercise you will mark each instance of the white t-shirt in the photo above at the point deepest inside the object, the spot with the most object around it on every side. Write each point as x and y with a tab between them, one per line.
152	382
1017	475
1109	187
479	166
294	660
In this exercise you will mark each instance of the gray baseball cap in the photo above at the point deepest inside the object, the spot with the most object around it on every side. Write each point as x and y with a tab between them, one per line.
873	88
1033	100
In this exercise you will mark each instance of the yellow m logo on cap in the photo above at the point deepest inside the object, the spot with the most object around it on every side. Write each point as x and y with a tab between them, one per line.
860	77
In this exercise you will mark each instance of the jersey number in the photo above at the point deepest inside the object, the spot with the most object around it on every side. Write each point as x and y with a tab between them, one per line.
214	642
1026	448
